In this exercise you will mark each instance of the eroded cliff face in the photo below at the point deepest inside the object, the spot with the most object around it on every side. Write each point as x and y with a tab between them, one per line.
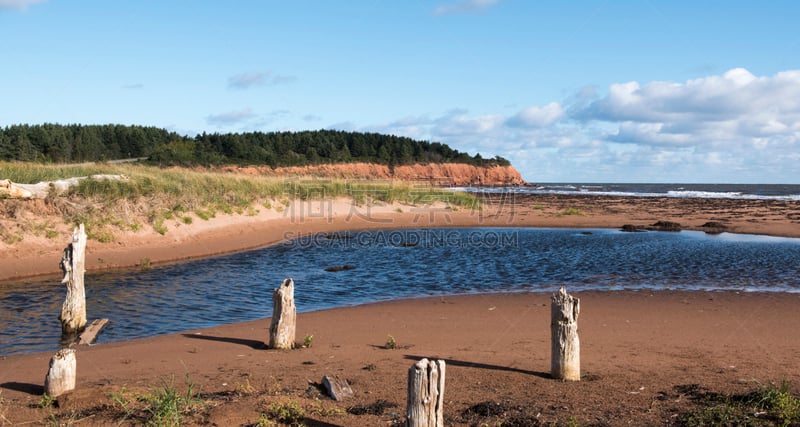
445	174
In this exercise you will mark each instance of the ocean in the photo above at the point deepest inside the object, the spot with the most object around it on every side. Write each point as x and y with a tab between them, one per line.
709	191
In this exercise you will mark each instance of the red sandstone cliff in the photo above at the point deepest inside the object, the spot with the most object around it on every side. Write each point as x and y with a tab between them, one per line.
456	174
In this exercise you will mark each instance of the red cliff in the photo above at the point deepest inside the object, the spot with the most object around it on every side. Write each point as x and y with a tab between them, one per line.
452	174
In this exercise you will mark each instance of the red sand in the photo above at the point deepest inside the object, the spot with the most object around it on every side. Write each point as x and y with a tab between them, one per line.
642	352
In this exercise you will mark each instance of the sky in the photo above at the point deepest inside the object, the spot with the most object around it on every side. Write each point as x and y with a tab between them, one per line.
568	91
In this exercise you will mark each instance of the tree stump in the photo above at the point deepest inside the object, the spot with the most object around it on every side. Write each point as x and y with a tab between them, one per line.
73	312
565	345
426	394
284	317
61	376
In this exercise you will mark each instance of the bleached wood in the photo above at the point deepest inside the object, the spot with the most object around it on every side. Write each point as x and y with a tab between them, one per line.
43	189
61	376
89	335
73	261
425	406
284	317
337	388
565	344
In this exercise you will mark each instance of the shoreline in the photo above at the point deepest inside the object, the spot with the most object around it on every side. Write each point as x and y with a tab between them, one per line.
640	353
226	234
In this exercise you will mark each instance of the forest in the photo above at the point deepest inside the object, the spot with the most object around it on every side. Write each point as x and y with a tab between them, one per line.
56	143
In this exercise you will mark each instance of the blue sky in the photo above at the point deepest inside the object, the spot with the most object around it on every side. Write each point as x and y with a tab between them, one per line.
569	91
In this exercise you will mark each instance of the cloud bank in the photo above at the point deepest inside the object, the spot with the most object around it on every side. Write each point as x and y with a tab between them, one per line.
732	127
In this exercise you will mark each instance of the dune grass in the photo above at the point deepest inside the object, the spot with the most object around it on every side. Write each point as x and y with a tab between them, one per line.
154	195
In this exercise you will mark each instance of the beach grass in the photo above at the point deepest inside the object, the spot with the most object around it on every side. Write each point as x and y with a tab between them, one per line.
154	195
766	405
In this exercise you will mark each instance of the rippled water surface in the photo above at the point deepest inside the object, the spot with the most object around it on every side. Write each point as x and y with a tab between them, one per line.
398	264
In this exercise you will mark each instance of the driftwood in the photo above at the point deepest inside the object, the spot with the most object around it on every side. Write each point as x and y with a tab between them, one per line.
426	394
42	189
73	312
565	345
284	317
337	388
61	376
89	335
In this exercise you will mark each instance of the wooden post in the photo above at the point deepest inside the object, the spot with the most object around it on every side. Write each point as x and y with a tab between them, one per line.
426	394
284	317
565	345
73	312
61	375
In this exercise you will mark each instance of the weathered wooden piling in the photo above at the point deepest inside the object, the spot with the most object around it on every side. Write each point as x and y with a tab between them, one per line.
73	312
61	376
426	394
565	345
284	317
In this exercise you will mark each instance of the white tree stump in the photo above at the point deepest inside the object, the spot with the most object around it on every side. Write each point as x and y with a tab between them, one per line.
426	394
61	376
565	345
73	312
284	317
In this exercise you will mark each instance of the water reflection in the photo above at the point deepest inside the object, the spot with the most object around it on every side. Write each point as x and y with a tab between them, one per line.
398	264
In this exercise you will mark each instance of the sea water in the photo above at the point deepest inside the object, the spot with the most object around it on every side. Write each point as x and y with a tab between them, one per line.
396	264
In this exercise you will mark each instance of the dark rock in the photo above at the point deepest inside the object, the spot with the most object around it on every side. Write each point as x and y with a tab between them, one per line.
586	233
336	268
630	228
666	226
714	227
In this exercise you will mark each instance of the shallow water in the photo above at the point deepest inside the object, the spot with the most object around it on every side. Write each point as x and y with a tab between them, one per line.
399	264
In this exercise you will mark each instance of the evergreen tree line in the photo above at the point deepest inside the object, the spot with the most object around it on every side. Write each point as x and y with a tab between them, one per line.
90	143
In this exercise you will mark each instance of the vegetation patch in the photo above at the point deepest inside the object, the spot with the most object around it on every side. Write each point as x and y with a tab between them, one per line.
165	406
154	195
572	211
769	405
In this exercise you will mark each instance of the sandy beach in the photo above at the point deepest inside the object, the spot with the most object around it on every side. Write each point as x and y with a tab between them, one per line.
646	357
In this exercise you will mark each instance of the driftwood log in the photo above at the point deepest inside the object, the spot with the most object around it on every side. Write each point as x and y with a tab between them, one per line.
73	312
426	394
284	317
61	376
565	345
43	189
89	335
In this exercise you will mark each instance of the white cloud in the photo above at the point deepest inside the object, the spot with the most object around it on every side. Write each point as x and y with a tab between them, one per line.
261	78
460	124
537	116
231	117
463	6
18	4
731	127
